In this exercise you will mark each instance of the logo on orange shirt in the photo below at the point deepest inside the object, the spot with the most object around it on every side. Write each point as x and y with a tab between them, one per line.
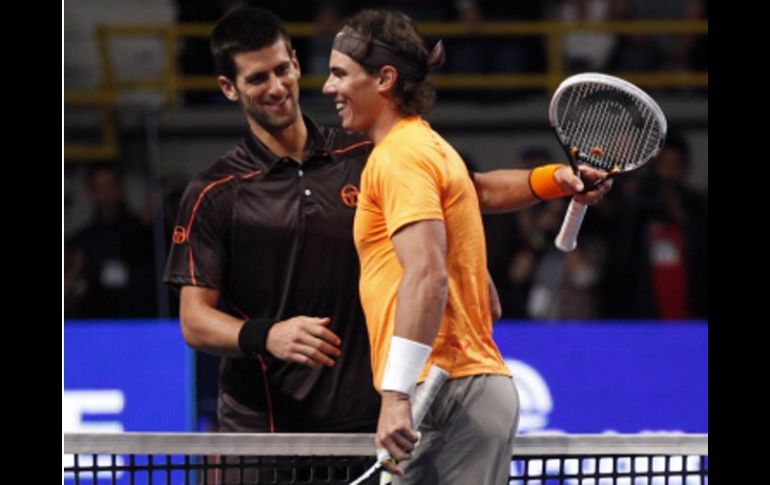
349	194
455	343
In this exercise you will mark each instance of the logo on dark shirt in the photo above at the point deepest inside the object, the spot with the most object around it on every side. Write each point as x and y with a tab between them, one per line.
349	194
180	235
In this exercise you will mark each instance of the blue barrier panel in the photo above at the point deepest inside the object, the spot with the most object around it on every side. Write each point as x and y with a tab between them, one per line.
130	375
575	377
593	377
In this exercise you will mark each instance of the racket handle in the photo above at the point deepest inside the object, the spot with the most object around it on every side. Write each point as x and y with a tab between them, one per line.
566	240
426	393
423	397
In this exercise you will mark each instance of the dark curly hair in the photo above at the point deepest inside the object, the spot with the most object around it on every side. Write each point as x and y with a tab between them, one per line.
411	96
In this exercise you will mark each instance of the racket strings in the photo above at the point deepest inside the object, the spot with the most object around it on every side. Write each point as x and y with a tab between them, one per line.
600	123
623	149
606	130
596	119
582	121
640	150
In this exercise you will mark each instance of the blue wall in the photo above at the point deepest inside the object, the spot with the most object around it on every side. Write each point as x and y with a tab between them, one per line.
601	376
146	364
574	377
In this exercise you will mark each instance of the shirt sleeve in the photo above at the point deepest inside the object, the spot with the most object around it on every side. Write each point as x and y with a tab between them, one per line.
200	237
409	183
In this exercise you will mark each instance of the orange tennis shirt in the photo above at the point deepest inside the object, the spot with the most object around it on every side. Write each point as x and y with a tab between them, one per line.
413	175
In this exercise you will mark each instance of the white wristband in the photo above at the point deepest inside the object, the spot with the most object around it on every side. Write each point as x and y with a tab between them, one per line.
406	359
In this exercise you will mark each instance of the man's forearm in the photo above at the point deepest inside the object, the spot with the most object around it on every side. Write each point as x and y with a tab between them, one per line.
204	326
419	309
504	190
422	294
420	306
212	331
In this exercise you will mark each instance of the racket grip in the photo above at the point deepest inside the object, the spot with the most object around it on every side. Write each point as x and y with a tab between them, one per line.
566	240
426	393
423	397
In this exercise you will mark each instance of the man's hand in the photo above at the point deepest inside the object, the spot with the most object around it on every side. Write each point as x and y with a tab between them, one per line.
574	185
304	340
394	429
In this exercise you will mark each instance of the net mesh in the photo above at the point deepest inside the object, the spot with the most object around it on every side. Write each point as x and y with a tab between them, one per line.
339	459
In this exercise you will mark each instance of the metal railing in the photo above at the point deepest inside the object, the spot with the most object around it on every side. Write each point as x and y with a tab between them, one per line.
172	82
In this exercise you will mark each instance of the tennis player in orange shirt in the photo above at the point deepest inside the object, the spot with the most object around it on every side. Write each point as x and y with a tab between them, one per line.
419	236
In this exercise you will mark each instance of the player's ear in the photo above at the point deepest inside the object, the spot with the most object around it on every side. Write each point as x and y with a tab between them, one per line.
386	80
228	88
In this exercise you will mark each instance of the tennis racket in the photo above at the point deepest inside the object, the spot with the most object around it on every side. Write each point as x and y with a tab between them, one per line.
423	397
605	122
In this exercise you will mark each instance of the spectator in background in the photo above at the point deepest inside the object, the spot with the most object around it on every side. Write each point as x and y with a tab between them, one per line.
644	52
533	278
566	286
699	52
73	284
676	235
505	54
515	242
584	51
109	263
194	55
659	245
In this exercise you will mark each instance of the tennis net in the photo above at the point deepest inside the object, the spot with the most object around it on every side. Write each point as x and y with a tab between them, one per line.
234	458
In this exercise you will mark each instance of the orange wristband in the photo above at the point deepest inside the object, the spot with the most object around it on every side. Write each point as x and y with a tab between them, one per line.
542	182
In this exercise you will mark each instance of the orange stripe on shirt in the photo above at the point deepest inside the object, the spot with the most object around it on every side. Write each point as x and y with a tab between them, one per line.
251	175
267	393
351	147
192	219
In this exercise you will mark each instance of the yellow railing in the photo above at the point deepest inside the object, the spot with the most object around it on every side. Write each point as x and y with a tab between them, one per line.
172	82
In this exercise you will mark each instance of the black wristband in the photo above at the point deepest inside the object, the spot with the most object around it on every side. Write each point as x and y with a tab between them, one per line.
252	339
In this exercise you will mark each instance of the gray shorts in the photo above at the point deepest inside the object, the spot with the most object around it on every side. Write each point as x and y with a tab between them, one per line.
467	435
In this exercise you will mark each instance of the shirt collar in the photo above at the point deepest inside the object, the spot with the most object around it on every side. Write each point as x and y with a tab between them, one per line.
268	161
